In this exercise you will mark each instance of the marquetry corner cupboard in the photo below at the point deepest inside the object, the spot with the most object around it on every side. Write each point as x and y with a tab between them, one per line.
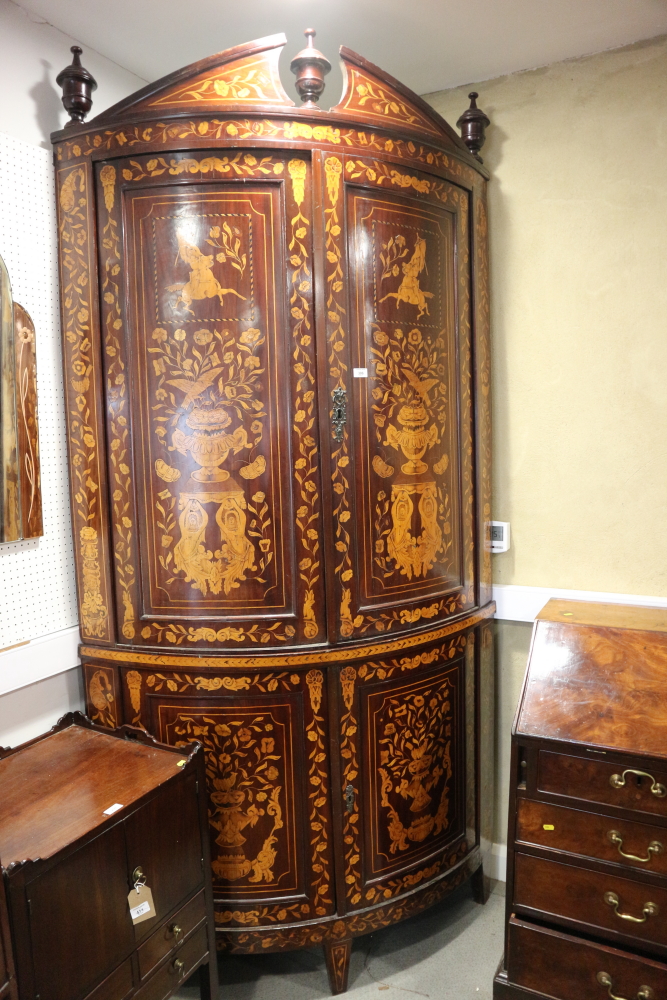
276	338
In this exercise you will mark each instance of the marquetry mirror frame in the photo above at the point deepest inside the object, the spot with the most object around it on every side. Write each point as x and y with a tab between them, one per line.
20	484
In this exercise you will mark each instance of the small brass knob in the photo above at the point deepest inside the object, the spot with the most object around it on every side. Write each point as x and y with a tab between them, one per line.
177	966
176	930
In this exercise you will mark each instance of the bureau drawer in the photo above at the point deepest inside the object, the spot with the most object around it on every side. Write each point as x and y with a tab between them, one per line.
636	845
116	986
166	939
601	903
173	974
603	781
567	968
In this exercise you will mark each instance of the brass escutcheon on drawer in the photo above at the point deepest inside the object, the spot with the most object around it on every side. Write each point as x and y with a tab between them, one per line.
648	909
643	993
655	847
618	781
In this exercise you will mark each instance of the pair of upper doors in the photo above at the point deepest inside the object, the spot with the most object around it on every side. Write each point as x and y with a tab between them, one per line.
288	386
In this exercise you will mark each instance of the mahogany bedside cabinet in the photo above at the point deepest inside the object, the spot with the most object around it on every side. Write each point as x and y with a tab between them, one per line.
104	847
8	990
587	840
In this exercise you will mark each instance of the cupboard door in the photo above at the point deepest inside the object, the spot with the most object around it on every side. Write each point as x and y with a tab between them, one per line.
164	840
93	932
404	756
268	783
7	974
404	549
211	399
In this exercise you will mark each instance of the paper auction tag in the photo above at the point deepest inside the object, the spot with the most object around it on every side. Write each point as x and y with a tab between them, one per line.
141	904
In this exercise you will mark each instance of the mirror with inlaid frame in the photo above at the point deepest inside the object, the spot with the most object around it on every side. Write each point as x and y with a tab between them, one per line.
20	490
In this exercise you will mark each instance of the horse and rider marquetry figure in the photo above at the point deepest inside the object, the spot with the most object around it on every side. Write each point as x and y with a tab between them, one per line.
409	290
202	283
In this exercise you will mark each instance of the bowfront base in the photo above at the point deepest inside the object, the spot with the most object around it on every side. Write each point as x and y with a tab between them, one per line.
342	796
336	933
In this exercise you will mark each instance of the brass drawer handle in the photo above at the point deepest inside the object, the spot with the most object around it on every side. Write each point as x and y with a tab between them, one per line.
643	993
648	909
176	930
655	847
618	781
177	966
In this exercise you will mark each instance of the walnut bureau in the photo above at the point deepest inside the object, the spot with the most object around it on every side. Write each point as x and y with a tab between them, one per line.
86	815
277	364
587	860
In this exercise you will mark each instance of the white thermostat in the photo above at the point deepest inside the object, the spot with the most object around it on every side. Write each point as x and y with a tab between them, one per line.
360	372
500	536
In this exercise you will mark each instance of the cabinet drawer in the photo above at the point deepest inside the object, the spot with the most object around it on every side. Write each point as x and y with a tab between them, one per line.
565	967
165	939
169	977
635	845
116	986
583	896
639	789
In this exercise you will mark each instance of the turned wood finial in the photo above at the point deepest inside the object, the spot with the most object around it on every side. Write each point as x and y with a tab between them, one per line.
473	123
77	85
310	67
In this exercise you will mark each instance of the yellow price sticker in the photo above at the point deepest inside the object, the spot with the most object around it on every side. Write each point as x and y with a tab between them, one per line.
548	826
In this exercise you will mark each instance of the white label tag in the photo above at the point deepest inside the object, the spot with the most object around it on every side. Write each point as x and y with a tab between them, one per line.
139	910
360	372
142	907
112	809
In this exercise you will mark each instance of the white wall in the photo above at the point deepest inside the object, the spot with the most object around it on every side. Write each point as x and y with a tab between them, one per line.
38	613
32	53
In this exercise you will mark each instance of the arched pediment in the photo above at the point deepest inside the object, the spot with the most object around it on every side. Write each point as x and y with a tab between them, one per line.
374	97
239	78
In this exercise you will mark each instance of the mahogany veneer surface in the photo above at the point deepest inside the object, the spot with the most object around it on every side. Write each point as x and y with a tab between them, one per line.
56	791
601	683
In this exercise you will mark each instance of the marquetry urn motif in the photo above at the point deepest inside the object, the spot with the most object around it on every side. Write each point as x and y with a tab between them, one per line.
276	346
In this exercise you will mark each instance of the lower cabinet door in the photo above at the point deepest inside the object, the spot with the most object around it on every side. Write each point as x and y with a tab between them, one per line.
79	918
164	840
403	743
566	967
267	760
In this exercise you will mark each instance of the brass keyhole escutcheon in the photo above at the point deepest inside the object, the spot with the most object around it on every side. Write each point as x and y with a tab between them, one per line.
618	781
349	798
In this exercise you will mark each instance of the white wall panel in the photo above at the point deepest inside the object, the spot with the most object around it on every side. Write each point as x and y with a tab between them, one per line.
37	593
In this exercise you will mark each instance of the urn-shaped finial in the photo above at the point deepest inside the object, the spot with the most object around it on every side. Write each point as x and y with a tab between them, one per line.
473	123
310	67
77	85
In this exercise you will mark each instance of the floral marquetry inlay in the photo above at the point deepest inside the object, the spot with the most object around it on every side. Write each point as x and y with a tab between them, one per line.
252	80
277	376
77	288
376	99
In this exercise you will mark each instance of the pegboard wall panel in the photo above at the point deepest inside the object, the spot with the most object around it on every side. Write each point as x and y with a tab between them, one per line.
37	588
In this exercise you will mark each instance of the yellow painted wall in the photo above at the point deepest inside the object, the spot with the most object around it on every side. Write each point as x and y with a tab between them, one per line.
578	229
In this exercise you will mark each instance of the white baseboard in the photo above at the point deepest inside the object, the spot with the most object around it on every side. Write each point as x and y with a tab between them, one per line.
40	658
521	604
497	862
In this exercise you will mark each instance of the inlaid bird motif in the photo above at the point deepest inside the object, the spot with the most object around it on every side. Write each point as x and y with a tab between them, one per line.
191	388
421	386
